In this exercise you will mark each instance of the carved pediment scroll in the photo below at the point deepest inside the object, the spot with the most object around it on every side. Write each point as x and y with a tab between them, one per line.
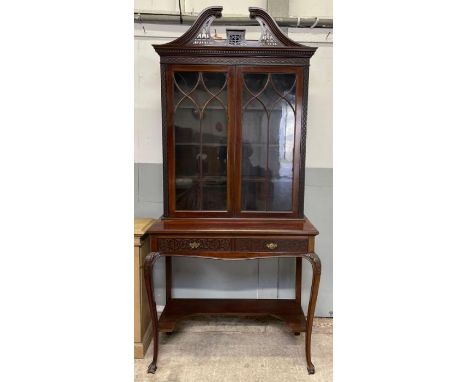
271	34
199	34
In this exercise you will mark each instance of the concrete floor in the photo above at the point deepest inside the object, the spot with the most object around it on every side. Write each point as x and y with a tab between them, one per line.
226	349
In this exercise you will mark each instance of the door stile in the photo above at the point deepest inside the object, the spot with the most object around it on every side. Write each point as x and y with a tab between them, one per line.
238	139
231	126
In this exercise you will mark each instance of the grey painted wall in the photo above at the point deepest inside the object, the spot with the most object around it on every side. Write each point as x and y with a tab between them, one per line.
267	278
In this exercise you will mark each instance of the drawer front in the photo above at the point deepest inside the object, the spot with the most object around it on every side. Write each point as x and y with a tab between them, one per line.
299	245
173	245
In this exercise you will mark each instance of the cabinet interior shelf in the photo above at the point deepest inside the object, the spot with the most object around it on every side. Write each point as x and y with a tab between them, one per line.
256	109
205	177
262	179
258	144
210	144
203	144
190	181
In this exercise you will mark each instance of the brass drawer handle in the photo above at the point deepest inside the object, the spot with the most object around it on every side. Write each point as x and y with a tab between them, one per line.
194	244
271	245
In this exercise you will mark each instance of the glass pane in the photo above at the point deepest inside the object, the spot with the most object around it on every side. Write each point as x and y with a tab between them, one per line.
200	132
253	160
253	195
280	190
187	163
214	192
279	166
269	119
187	194
214	139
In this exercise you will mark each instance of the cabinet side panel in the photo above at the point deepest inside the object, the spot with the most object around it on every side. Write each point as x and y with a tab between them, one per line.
164	137
305	92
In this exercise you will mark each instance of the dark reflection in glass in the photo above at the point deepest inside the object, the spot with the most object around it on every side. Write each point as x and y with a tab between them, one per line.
185	163
280	188
200	132
253	195
255	82
268	127
284	84
216	190
186	82
187	194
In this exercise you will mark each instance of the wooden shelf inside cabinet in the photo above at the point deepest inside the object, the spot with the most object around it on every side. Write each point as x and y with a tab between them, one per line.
262	179
198	144
234	118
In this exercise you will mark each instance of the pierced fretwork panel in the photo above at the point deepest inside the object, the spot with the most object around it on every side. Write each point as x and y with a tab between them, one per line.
235	36
266	37
268	134
204	36
200	136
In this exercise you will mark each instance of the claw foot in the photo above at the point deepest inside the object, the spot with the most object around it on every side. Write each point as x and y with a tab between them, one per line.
152	368
311	369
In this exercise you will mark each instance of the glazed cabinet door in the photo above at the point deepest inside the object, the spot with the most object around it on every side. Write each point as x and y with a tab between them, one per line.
269	113
199	140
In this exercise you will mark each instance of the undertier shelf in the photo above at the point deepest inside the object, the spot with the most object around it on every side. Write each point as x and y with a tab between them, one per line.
288	311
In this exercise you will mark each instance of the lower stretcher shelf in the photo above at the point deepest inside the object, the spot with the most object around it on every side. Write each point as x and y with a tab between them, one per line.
289	311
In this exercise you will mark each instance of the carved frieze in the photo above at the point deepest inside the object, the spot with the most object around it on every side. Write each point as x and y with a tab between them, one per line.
170	245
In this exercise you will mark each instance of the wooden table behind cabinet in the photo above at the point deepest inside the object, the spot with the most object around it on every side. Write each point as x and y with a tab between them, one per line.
142	319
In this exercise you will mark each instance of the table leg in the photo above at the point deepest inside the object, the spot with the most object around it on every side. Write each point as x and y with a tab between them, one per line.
168	278
316	271
148	269
298	279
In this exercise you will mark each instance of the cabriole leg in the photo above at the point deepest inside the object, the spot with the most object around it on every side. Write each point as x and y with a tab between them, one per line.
316	271
148	270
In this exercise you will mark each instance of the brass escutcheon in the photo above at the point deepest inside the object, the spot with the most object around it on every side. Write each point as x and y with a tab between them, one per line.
194	244
271	245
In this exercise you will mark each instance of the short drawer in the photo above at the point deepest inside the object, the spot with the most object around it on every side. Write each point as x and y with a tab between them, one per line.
183	244
299	245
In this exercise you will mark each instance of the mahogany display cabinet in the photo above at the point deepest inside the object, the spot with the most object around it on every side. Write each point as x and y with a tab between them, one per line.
234	117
